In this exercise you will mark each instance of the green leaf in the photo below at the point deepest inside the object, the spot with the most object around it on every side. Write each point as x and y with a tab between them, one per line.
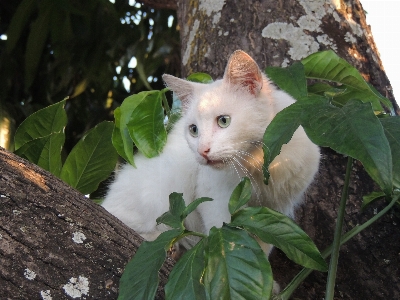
282	128
140	278
324	89
45	152
173	217
200	77
146	124
193	205
117	139
292	79
240	195
352	130
40	137
185	279
39	31
122	117
176	204
275	228
91	160
18	22
236	267
391	126
367	199
326	65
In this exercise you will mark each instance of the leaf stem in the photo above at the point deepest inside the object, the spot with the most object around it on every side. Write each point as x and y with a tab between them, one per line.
299	278
187	233
330	286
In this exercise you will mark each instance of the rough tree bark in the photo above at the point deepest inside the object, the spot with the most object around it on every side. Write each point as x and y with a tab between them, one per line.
54	241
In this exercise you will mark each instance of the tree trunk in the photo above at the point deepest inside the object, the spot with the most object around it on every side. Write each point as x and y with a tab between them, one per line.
56	242
277	33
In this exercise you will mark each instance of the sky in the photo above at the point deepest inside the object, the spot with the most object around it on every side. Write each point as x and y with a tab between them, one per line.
382	17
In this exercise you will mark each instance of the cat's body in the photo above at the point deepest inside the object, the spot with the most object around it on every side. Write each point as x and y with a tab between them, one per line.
217	141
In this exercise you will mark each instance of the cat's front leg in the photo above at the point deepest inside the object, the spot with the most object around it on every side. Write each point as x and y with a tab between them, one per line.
218	185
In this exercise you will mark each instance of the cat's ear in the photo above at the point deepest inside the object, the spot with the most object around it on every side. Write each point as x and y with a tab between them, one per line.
182	88
242	70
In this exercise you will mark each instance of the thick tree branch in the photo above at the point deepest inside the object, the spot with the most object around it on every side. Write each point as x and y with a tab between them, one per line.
51	234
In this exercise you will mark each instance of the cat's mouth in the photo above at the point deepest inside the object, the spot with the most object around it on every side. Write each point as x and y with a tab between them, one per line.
215	163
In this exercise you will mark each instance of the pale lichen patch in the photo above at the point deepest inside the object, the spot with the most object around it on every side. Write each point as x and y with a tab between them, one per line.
310	23
348	37
356	28
336	16
314	7
29	274
302	44
46	295
77	287
211	6
78	237
285	63
327	41
216	18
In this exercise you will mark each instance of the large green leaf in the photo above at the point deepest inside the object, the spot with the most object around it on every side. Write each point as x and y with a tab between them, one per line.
140	278
185	279
280	131
352	130
236	267
292	79
45	152
139	121
277	229
40	137
91	160
18	22
240	195
326	65
391	126
122	117
146	125
118	141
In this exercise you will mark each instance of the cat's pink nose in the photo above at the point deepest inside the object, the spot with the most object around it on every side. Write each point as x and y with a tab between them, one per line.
204	153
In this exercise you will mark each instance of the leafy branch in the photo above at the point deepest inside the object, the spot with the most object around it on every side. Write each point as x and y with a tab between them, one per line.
218	266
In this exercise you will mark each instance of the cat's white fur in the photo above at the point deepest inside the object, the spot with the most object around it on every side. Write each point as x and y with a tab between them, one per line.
212	164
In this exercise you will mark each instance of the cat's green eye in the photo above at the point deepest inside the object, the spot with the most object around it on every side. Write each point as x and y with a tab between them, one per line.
223	121
194	131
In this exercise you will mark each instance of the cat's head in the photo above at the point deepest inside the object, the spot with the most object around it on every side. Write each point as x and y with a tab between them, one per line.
225	120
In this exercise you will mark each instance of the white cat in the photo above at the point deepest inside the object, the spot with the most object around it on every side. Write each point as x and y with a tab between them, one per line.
217	141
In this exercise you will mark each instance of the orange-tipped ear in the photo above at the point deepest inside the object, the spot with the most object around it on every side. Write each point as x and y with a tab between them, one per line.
242	70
